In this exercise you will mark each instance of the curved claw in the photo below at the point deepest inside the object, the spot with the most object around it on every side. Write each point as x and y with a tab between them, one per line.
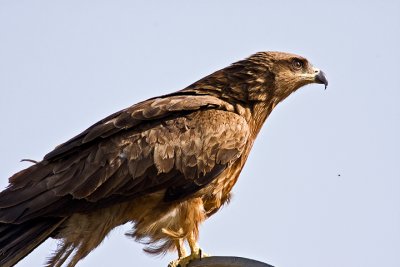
183	262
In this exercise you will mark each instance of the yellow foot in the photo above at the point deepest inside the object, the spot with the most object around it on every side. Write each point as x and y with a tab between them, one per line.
183	262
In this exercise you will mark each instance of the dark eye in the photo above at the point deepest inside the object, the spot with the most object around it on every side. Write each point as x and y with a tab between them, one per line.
297	64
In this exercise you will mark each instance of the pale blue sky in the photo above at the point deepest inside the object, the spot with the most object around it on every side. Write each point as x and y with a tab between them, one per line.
66	64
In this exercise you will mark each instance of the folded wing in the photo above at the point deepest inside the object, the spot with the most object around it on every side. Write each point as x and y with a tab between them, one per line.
177	143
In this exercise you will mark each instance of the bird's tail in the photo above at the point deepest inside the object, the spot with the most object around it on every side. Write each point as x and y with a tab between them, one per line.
18	240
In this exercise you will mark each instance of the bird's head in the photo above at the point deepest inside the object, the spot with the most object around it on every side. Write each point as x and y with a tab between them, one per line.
258	83
266	77
285	73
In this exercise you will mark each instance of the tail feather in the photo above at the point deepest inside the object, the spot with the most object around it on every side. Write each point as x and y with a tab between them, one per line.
18	240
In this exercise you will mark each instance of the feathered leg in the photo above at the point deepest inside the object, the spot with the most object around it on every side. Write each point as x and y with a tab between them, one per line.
195	252
181	248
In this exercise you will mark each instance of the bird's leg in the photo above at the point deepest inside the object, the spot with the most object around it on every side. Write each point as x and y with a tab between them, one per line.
181	248
182	254
195	250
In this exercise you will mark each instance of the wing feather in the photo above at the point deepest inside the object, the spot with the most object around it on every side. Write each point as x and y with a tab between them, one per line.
178	144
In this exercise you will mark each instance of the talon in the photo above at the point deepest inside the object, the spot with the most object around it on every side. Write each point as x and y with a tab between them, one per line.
183	262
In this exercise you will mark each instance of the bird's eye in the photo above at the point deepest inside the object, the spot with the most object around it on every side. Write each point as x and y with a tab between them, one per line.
297	64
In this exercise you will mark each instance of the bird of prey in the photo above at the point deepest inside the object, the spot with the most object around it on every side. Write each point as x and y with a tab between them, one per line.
165	164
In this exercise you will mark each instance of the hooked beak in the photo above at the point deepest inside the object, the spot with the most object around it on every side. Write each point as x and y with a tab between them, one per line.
321	78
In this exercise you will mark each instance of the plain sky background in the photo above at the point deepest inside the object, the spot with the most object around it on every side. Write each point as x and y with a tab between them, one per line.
322	184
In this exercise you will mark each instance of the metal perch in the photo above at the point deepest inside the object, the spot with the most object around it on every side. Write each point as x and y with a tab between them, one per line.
222	261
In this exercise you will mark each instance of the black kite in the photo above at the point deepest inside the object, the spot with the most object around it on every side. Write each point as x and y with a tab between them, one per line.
166	164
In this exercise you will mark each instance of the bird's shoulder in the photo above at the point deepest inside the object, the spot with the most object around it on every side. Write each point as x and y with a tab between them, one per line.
137	116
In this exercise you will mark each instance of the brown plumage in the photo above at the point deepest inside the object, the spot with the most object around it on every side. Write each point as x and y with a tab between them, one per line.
165	164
